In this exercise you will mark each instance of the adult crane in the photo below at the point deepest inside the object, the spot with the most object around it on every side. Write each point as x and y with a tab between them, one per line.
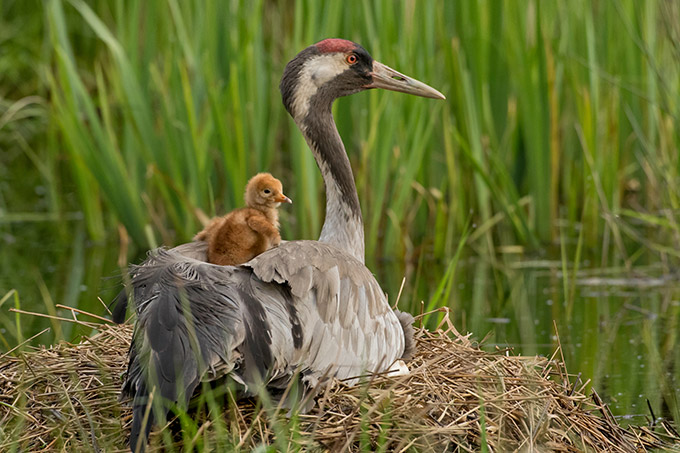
306	310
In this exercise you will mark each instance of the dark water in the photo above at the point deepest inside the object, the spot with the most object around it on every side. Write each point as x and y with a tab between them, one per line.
617	327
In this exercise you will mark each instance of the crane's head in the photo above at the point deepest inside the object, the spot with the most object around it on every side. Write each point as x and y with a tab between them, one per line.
333	68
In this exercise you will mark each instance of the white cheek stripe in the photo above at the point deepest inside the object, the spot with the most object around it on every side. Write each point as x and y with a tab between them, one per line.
315	72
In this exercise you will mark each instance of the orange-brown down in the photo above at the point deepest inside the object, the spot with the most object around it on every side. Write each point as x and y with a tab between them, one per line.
244	233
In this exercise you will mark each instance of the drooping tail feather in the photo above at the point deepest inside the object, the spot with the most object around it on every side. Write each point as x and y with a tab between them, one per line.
170	350
142	420
164	354
119	307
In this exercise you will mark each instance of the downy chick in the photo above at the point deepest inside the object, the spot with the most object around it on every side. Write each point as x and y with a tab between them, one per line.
244	233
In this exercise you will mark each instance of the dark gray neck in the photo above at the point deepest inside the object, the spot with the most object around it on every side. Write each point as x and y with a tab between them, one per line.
343	226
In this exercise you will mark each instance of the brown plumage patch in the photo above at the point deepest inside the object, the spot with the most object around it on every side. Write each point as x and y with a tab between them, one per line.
247	232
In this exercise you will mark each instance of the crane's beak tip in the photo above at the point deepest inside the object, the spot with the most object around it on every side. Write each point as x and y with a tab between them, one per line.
388	79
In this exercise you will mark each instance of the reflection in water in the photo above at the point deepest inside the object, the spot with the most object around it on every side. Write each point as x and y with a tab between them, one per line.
617	330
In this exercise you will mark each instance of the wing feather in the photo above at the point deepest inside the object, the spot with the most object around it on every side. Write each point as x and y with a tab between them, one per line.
303	306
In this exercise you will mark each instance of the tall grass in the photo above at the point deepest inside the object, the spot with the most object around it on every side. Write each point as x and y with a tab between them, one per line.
164	110
558	140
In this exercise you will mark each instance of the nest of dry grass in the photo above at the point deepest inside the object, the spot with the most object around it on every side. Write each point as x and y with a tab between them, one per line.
456	398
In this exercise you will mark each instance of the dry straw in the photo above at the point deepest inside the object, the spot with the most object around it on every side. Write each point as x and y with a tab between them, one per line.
456	398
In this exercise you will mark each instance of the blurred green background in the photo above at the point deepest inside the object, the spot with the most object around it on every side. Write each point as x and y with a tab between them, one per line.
542	194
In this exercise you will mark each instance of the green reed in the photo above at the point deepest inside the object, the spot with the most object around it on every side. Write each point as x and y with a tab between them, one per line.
163	110
559	137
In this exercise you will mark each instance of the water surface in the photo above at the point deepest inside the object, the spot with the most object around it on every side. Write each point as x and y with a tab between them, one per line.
617	327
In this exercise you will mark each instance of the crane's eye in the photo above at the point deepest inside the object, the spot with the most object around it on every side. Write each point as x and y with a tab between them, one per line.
267	191
351	59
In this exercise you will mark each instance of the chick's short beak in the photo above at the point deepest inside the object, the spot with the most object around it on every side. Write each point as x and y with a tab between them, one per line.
281	198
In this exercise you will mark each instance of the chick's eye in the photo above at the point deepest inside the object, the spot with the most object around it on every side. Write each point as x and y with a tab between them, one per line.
267	191
351	59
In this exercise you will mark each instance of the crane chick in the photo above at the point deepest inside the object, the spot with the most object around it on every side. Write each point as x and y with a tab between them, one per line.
244	233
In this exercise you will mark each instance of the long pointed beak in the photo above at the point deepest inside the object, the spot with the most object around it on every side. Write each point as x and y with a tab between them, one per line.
389	79
283	199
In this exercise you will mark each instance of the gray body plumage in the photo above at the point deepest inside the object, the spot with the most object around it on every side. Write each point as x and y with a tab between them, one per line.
306	308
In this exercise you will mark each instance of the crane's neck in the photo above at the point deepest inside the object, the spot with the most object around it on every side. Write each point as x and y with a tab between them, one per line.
343	226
